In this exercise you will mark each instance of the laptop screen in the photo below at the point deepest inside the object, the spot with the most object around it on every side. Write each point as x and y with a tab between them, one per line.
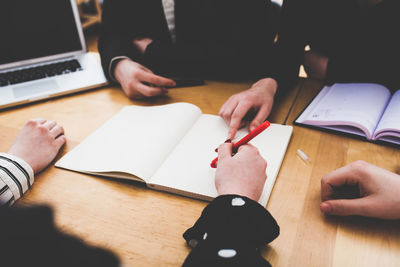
36	28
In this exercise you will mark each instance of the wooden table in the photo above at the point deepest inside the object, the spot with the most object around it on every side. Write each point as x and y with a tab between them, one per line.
308	238
144	227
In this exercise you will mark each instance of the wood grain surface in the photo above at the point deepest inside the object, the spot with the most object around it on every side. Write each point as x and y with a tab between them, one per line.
144	227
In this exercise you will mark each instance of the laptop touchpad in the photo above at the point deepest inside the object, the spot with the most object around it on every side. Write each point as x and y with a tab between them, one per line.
24	91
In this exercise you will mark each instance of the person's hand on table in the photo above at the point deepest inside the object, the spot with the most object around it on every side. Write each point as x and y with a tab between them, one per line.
361	189
138	81
38	143
242	174
259	98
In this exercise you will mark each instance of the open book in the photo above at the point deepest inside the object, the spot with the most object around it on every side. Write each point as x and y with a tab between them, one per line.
170	148
362	109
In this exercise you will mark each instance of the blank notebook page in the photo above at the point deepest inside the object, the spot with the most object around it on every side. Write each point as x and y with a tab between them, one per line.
188	166
136	140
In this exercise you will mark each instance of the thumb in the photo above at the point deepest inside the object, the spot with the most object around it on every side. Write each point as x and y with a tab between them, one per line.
345	207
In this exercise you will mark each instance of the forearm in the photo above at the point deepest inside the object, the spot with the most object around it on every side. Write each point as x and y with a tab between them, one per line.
118	30
16	177
230	232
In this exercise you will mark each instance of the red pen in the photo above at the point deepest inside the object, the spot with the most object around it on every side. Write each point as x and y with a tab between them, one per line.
245	140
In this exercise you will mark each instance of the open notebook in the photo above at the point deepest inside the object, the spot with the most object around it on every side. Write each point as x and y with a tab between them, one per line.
170	148
363	109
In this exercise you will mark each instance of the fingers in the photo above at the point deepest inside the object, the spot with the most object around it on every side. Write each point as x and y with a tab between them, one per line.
146	69
40	120
250	152
345	207
56	131
260	117
248	148
224	151
226	113
348	175
156	80
258	98
49	124
237	117
149	91
60	141
227	109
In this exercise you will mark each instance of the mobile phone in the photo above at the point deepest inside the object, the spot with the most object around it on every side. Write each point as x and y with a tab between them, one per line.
188	82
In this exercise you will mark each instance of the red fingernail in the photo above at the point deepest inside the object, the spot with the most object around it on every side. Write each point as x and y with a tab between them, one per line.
213	165
228	141
216	150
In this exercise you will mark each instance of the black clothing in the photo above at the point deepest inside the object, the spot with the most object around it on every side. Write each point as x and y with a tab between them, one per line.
361	43
229	232
214	38
237	229
30	238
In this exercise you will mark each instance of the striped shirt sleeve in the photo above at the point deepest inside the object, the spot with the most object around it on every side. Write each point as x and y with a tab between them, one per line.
16	177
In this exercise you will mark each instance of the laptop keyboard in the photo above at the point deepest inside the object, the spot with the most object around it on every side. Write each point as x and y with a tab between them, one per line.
39	72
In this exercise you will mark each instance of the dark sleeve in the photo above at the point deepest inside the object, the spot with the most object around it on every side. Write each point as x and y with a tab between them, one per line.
118	29
212	39
289	48
190	59
372	50
230	232
30	238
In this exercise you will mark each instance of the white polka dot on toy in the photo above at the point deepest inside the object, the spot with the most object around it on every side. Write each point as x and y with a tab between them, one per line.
238	201
204	236
227	253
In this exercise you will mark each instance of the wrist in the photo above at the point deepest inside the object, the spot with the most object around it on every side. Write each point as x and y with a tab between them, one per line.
269	85
266	87
240	192
24	165
120	65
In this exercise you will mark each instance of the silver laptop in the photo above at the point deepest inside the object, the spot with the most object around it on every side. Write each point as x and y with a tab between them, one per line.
43	52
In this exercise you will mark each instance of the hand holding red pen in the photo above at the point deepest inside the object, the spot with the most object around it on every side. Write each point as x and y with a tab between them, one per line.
245	140
244	174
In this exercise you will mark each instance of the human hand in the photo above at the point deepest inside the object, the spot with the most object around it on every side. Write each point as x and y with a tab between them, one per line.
374	192
242	174
259	98
38	143
142	43
315	65
138	81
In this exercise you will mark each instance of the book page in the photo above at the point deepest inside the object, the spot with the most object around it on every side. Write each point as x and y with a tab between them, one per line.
135	141
187	170
390	121
348	104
